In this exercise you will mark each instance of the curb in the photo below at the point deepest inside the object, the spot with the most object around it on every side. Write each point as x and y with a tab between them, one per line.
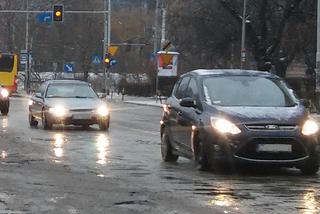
141	103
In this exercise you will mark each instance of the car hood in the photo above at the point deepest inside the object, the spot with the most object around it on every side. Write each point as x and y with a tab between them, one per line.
74	103
264	115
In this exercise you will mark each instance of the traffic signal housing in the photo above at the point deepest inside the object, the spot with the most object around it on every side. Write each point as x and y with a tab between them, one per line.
58	13
107	60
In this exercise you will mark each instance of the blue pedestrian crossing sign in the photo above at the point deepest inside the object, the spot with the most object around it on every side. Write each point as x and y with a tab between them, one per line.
68	67
96	59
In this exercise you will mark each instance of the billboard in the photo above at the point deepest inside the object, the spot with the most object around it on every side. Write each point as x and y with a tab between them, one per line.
167	63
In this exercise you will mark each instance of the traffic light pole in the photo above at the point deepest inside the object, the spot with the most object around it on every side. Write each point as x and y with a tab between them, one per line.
27	49
106	40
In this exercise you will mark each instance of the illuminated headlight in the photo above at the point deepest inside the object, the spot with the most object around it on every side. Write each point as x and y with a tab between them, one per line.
4	93
310	127
58	111
224	126
30	102
103	111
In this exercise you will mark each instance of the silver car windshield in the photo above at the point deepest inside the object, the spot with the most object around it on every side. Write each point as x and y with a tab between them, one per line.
70	91
247	91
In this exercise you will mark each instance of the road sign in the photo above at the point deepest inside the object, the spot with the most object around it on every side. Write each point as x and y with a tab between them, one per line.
113	62
68	67
23	57
44	17
113	50
96	59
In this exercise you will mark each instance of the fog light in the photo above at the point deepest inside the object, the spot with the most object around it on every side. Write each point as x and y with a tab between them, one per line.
4	93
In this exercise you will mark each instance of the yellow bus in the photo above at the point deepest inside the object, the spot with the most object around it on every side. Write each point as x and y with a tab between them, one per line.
8	71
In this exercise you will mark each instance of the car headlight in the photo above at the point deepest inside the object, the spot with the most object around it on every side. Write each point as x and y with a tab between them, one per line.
58	111
103	111
224	126
310	127
4	93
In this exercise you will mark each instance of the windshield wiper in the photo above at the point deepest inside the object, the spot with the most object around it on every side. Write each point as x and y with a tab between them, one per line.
82	97
55	96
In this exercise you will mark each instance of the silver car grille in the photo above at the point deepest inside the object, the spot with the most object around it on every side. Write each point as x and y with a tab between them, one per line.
271	127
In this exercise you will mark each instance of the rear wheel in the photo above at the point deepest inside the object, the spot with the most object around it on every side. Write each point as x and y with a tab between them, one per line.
32	121
311	166
5	108
104	125
166	149
46	124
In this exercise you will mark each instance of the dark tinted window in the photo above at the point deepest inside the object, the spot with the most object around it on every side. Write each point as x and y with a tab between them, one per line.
6	63
192	90
182	87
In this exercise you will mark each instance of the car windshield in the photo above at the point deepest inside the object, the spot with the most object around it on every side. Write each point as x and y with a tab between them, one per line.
247	91
70	91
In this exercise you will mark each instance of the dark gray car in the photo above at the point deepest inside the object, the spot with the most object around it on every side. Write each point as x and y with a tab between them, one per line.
68	102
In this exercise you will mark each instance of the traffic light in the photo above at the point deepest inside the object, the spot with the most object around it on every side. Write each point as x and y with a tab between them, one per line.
107	60
58	13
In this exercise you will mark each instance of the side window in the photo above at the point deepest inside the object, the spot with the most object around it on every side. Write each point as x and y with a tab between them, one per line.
182	87
192	90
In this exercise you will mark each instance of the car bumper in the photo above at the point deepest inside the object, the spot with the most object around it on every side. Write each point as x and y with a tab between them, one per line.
78	119
244	148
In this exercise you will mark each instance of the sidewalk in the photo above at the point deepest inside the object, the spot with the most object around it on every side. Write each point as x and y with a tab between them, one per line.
146	101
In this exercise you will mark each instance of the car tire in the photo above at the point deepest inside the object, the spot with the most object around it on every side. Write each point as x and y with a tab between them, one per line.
311	166
104	125
166	149
5	109
46	124
32	121
200	156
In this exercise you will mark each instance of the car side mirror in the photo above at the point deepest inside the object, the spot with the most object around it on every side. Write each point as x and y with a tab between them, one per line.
102	95
38	95
306	103
188	102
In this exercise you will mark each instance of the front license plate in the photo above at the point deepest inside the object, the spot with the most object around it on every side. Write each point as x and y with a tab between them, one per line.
81	116
274	148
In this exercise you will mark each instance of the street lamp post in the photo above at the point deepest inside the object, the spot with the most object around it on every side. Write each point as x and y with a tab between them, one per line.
26	84
107	35
243	37
318	60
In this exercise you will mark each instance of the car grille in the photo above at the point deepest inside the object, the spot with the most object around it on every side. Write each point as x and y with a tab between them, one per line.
249	150
81	110
266	127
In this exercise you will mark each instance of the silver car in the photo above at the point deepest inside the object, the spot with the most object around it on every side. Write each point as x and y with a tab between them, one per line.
68	102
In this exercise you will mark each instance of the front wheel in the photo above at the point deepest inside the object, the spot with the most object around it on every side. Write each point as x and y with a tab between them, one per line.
46	124
200	156
5	108
104	125
166	149
311	166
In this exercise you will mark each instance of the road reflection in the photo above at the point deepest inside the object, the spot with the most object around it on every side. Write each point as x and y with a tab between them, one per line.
102	146
310	202
58	144
4	124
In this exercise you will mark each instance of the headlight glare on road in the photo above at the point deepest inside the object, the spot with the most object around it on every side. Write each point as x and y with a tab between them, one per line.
224	126
58	111
4	93
310	127
103	111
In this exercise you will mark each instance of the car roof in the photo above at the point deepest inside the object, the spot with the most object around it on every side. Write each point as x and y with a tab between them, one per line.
231	72
66	82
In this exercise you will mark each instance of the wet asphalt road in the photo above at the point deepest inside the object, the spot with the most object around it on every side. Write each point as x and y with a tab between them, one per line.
71	170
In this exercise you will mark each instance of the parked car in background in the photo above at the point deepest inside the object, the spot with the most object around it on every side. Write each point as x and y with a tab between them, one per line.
68	102
238	116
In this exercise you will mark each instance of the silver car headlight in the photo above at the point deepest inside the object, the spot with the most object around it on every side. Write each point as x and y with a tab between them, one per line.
4	93
310	127
58	111
224	126
103	111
